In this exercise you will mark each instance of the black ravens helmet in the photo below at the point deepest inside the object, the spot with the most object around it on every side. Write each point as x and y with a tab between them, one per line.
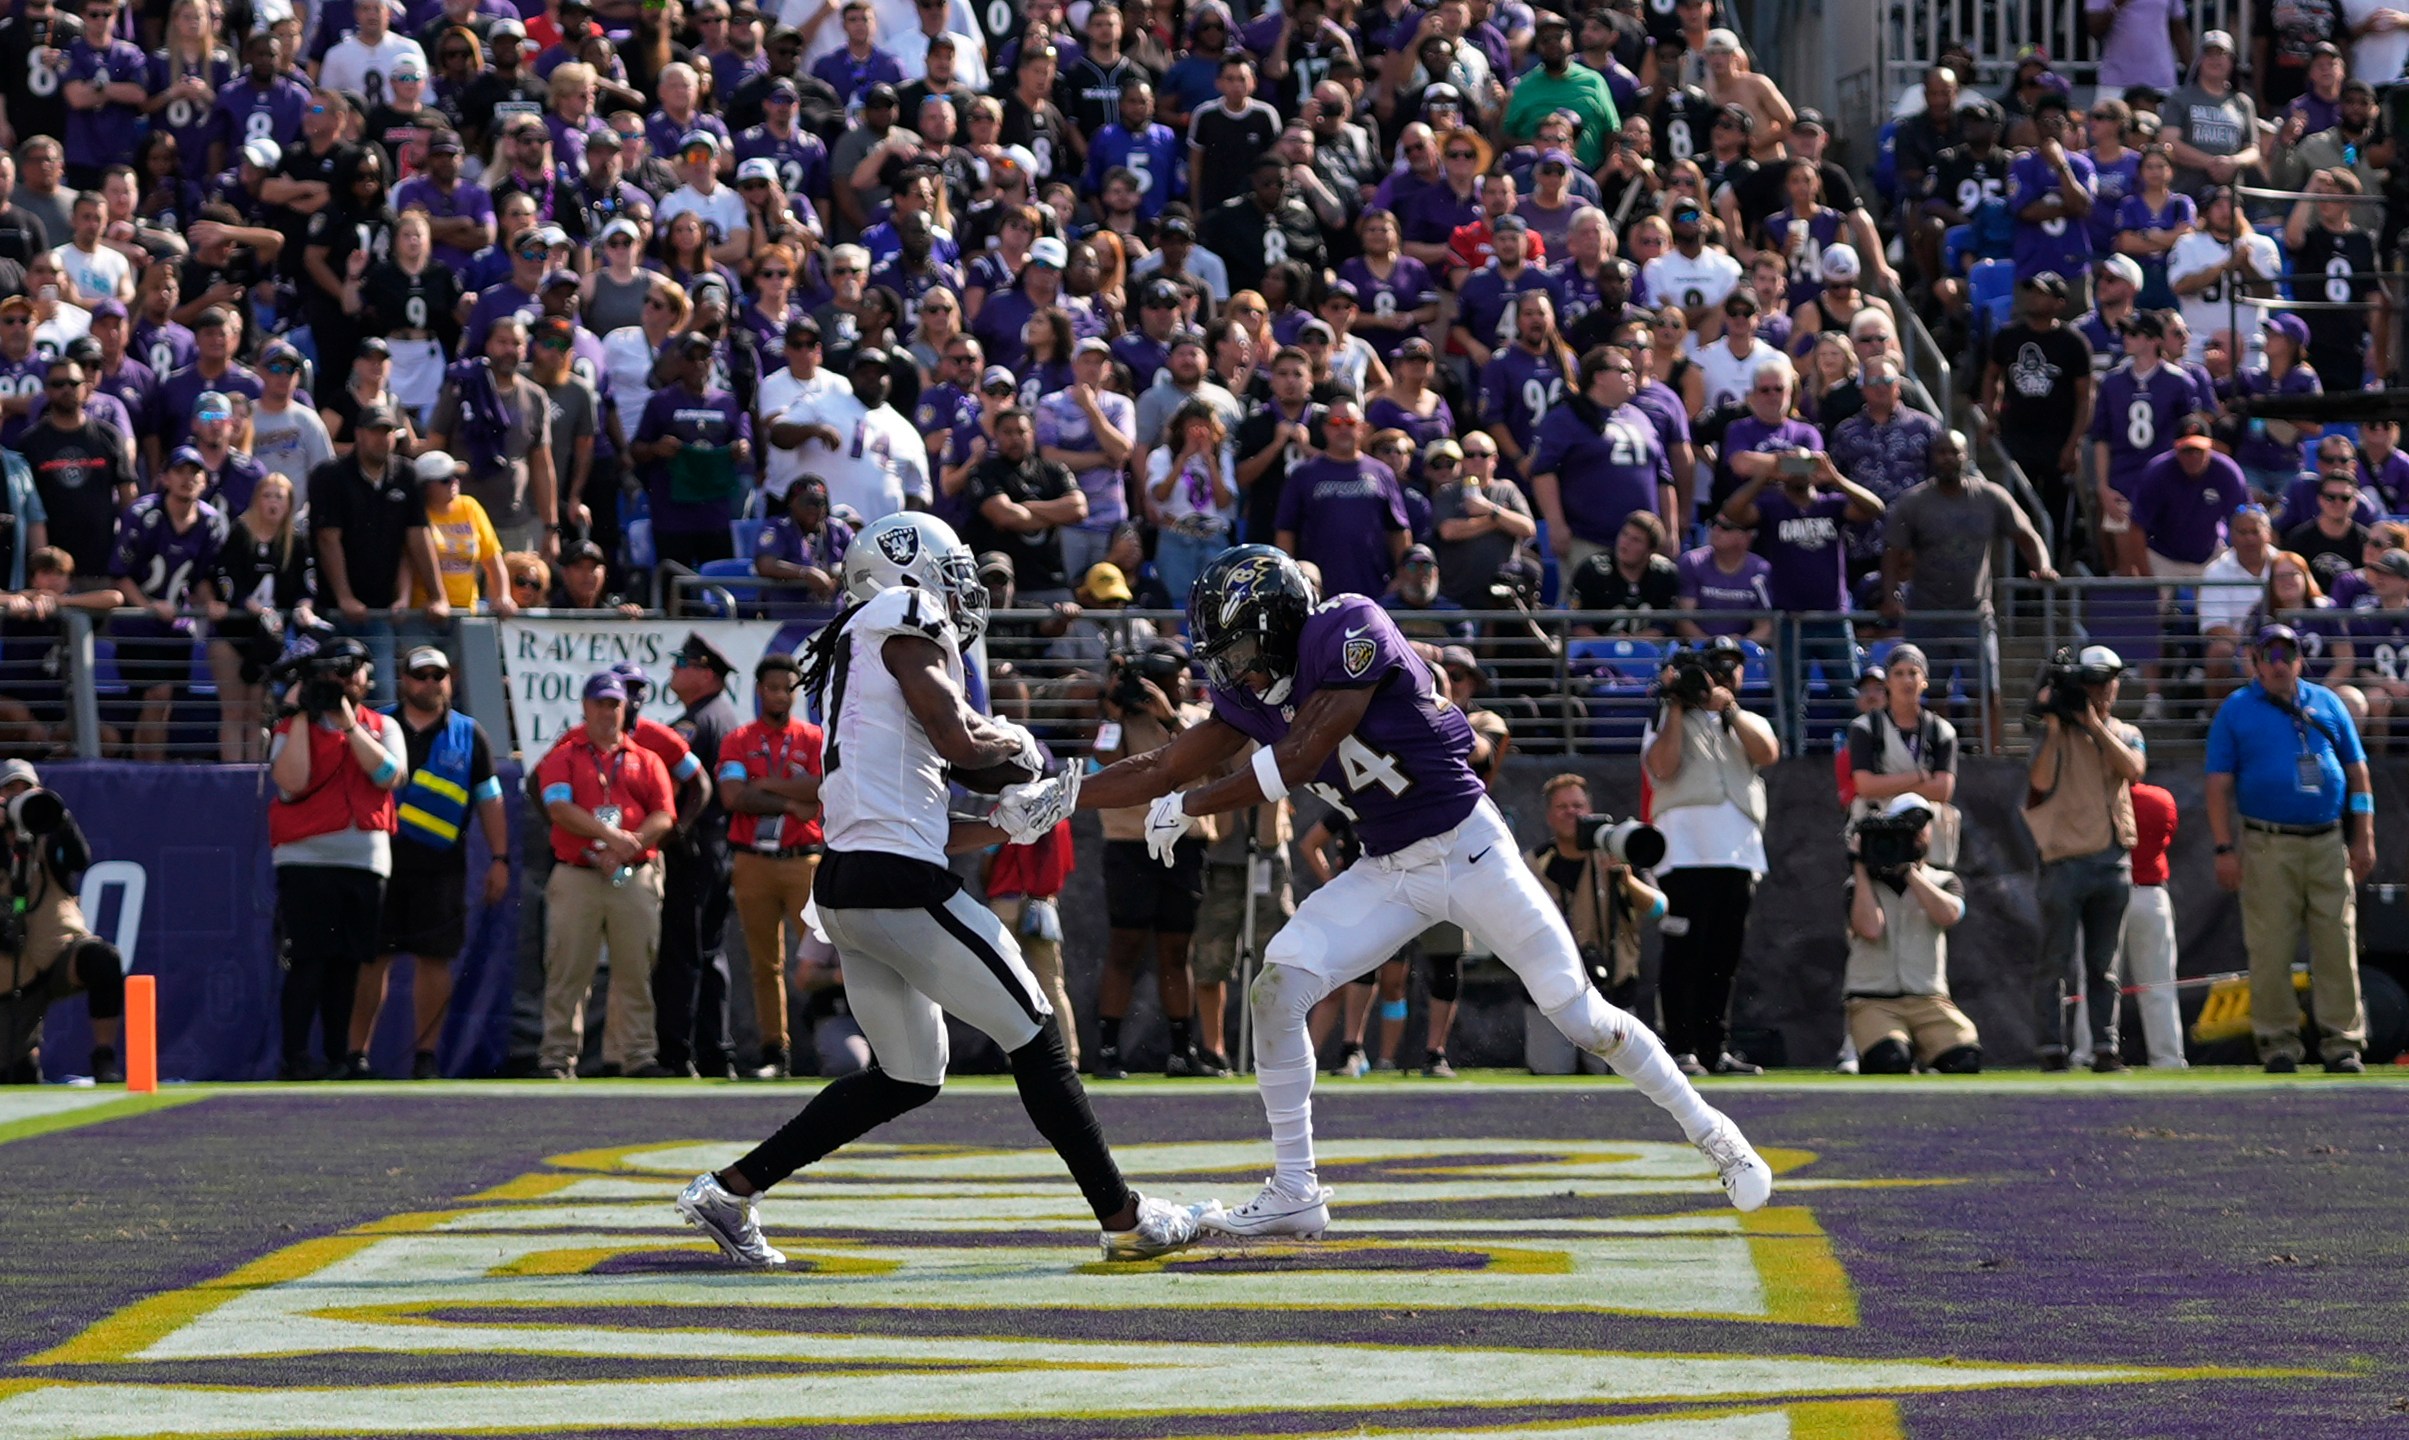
1246	616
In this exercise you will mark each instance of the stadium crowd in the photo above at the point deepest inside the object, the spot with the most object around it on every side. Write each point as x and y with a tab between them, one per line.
347	319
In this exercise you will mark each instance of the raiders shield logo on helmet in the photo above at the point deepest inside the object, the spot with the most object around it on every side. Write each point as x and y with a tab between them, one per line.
900	544
1357	655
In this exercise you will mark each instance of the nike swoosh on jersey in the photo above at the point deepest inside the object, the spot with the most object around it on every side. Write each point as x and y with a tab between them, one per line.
1358	630
1475	860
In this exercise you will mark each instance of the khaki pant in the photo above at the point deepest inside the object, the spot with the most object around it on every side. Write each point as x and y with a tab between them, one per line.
583	911
770	894
1044	958
2291	881
1929	1025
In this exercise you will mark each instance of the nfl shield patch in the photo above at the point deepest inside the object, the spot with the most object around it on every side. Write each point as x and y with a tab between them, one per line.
901	544
1357	656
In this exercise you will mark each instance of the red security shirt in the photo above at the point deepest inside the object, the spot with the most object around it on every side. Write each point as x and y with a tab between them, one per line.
627	776
1035	870
762	751
2154	822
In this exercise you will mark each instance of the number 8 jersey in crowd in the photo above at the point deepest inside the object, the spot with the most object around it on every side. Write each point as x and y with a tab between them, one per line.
1405	774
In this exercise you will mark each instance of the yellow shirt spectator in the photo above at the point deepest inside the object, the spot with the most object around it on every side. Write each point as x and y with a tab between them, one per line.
465	543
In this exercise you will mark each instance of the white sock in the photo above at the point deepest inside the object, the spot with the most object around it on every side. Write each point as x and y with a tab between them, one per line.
1284	1073
1634	1052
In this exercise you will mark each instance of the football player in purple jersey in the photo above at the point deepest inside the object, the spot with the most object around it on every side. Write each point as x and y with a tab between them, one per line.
1342	703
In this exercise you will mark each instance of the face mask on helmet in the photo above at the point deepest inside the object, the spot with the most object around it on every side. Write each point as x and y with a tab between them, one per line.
1229	664
967	595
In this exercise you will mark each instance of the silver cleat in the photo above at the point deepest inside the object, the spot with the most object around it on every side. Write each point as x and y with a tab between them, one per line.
732	1222
1161	1229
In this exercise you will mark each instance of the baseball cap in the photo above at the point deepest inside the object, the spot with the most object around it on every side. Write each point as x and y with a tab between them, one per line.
425	657
760	167
1554	155
1092	345
1177	225
881	94
1313	330
2047	282
1104	581
1049	252
436	465
263	152
410	67
711	282
997	377
2145	322
605	685
702	138
554	278
1812	121
1720	41
1909	655
2276	635
622	226
783	88
2291	327
602	140
445	142
2218	40
1424	555
2123	267
869	355
2394	562
1908	805
582	553
1509	225
187	455
2100	657
1840	263
1343	290
995	565
375	345
1459	657
212	405
12	771
376	415
1417	349
553	236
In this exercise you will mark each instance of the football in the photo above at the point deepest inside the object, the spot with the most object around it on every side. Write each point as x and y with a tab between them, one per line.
994	779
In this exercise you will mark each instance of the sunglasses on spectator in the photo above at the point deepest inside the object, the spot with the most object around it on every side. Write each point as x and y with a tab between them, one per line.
2339	497
525	582
1471	454
656	304
1334	423
2278	655
63	384
552	343
430	674
1439	462
1463	155
839	272
617	241
773	274
1723	524
282	367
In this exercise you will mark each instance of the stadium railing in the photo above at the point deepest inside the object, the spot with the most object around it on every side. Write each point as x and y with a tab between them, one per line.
1915	32
2153	624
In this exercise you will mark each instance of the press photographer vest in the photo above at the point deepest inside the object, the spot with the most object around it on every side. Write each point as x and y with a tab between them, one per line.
1912	957
1714	769
1899	759
340	796
430	809
2086	807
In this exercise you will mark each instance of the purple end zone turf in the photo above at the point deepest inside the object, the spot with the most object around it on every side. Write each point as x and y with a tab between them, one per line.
2091	1226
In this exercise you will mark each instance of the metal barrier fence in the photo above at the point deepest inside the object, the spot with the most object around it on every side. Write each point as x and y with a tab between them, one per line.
1566	682
2158	628
1917	30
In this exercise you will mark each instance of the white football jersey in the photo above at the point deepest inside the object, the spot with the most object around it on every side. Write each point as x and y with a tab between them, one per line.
1677	279
2208	311
884	786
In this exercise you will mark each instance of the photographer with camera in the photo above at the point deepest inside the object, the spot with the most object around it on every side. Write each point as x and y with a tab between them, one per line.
1143	703
50	953
1901	909
1901	748
1703	754
1604	900
336	764
2079	807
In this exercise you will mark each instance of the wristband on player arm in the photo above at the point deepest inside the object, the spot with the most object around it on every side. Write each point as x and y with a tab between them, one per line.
1267	774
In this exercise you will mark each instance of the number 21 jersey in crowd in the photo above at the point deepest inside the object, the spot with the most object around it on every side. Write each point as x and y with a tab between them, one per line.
1405	774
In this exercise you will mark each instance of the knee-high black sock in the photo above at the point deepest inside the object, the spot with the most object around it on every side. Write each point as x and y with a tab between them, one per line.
844	1111
1050	1092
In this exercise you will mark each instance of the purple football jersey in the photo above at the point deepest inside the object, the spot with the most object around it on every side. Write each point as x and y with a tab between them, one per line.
165	348
801	158
2063	244
247	112
1801	245
22	377
163	561
2137	418
105	135
1490	301
1404	774
1343	513
1407	289
2184	515
190	122
2380	640
1518	388
2115	180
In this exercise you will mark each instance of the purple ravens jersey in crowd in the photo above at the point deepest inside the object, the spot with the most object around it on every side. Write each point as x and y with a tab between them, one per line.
1404	775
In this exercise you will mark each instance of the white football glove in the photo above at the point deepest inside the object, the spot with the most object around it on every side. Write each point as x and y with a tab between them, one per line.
1027	812
1166	823
1032	755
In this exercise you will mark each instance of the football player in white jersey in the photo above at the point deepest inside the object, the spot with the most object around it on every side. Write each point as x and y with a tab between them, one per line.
888	676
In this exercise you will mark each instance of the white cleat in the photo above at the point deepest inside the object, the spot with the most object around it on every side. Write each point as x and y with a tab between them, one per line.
1273	1212
732	1222
1161	1229
1747	1179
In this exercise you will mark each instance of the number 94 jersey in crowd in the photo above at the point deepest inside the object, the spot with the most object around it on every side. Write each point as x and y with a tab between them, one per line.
1406	773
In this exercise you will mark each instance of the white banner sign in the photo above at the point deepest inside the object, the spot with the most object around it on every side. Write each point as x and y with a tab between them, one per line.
547	662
